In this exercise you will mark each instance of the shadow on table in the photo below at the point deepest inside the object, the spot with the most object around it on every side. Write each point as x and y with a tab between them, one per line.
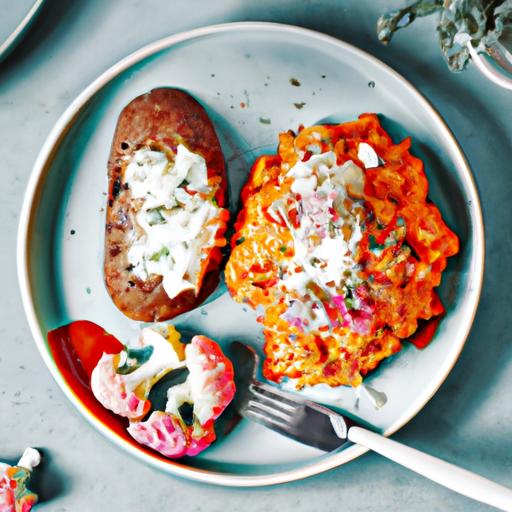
47	480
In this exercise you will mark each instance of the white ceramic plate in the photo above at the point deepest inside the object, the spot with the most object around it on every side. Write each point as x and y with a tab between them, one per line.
242	74
15	19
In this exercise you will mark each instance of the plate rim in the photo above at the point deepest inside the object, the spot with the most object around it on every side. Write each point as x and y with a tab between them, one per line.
15	36
37	178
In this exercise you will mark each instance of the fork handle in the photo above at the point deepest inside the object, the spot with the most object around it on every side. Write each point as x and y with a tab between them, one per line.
457	479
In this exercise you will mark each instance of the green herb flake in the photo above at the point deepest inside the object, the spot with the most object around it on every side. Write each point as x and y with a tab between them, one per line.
240	240
154	216
164	251
282	248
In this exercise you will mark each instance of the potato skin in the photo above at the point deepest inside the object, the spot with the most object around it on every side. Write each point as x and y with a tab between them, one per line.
164	117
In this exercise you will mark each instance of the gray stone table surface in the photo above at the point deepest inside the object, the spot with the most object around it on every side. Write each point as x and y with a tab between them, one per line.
468	422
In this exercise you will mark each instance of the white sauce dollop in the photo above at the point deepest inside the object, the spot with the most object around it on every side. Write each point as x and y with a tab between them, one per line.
173	240
326	197
319	244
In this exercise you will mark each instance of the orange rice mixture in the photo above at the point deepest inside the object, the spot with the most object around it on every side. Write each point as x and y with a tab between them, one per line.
340	248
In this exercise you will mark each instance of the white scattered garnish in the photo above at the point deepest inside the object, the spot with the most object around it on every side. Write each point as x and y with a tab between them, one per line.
377	398
367	155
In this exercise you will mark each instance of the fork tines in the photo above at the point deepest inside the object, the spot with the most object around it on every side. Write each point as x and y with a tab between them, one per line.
271	408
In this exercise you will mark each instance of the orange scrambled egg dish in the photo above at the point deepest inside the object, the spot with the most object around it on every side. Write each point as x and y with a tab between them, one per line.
340	248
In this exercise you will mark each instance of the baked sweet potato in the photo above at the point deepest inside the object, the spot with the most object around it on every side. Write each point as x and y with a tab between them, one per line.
165	220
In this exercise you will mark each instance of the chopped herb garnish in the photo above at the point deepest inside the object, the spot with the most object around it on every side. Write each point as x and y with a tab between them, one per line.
214	201
141	355
154	216
164	251
349	303
240	240
282	248
184	183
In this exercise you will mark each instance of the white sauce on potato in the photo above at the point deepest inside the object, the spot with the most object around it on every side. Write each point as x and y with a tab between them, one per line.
176	204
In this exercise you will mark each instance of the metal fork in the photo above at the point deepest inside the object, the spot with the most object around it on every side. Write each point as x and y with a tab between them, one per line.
305	421
316	425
